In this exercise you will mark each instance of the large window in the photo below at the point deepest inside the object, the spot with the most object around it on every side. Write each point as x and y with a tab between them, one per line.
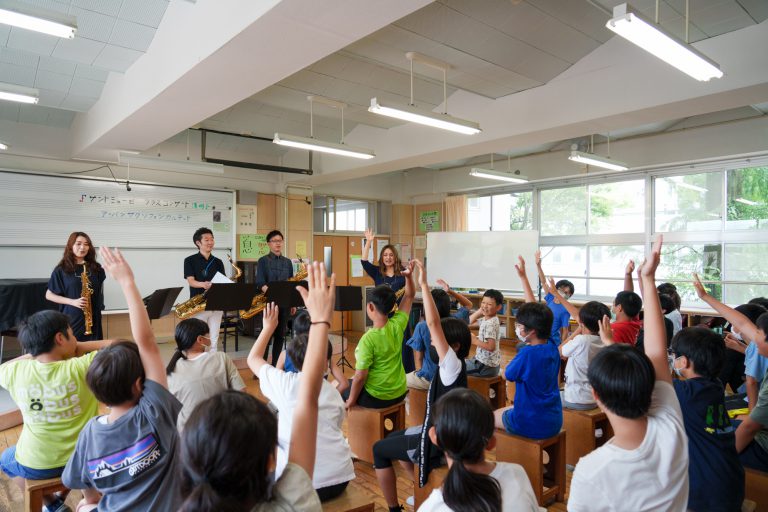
343	214
715	224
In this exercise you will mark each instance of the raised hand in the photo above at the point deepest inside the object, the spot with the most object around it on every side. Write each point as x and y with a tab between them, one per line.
701	292
115	265
320	297
369	234
422	273
630	267
270	316
538	258
520	267
651	263
407	269
606	333
444	285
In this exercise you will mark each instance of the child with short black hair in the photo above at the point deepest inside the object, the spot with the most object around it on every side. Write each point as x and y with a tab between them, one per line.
228	446
425	370
128	455
464	430
673	313
563	289
333	462
538	410
487	360
626	324
379	379
645	465
698	357
49	386
194	373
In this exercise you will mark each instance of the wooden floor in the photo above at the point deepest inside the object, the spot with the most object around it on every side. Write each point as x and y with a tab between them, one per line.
11	499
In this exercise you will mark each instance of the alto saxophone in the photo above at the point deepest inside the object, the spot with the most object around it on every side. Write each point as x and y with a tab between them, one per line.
259	302
85	293
196	304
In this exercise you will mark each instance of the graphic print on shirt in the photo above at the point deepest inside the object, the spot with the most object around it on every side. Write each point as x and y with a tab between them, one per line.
50	403
723	424
122	466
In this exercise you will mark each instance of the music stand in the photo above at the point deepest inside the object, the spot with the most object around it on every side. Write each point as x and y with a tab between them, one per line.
285	294
348	298
229	297
161	302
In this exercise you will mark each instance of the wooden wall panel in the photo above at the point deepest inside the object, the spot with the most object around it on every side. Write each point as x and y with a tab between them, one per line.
266	211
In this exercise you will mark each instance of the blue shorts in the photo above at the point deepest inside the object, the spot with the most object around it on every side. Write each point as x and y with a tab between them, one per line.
506	419
13	469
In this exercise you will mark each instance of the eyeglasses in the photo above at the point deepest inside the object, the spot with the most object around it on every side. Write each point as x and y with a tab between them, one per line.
275	241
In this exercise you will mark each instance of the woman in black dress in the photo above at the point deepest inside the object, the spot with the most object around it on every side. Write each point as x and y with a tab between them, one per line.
65	285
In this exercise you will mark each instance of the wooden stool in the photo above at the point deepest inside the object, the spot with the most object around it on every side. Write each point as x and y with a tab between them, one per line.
417	405
528	453
353	499
366	426
435	480
756	488
581	427
36	489
484	385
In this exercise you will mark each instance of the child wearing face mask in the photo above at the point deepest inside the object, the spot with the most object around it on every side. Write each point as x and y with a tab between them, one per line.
195	374
538	411
560	314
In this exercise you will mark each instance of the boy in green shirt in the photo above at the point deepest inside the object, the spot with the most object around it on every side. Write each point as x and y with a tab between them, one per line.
48	385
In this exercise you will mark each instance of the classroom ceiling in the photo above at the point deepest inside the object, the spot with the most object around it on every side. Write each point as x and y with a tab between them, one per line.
112	91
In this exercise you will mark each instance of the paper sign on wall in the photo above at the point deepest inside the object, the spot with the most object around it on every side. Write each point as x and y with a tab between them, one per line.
429	221
246	219
355	266
420	242
301	249
405	252
380	245
252	247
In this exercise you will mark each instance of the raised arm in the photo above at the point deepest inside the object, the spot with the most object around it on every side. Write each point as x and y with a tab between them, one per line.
542	277
431	315
319	300
520	267
743	324
141	328
369	236
628	271
639	270
462	300
572	310
269	324
653	322
410	291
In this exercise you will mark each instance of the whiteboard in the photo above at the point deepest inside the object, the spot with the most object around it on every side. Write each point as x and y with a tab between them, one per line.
481	259
149	225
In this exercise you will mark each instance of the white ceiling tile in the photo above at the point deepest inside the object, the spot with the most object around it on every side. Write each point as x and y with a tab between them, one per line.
108	7
19	57
56	65
116	58
78	50
60	118
85	87
91	73
33	114
52	81
9	110
5	31
146	12
19	75
77	103
35	42
132	35
50	98
93	25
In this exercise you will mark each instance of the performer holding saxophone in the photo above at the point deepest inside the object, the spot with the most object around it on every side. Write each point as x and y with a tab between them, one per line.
199	269
77	286
274	267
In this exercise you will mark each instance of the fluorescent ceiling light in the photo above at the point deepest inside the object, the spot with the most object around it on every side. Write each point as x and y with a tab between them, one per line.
649	36
38	20
161	164
415	115
597	161
3	146
680	183
490	174
746	201
12	92
333	148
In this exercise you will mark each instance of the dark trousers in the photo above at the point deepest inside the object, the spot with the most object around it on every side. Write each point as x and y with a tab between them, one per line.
369	401
330	492
276	342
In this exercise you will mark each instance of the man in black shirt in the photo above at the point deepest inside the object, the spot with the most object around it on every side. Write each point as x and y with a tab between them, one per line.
274	267
199	270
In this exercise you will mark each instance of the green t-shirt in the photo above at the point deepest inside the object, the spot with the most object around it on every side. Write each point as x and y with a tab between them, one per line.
55	403
380	352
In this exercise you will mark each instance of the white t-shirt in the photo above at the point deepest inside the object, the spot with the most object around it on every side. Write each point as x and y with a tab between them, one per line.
489	329
333	458
580	351
516	491
654	476
677	321
450	368
194	380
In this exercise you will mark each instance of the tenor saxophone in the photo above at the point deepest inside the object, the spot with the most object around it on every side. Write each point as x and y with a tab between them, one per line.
196	304
259	302
85	293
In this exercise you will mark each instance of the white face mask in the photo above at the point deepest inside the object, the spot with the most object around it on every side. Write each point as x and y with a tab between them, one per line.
678	371
736	335
519	332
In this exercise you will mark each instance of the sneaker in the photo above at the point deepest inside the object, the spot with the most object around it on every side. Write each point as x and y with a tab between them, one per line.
492	393
409	501
57	506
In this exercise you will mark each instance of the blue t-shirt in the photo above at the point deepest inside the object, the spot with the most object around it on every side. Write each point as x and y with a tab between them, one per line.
714	470
538	411
560	320
289	367
755	365
421	341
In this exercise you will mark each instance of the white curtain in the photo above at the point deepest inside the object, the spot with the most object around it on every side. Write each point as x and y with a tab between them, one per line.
456	213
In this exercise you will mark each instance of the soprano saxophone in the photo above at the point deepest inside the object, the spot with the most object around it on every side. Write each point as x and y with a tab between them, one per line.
259	302
196	304
85	293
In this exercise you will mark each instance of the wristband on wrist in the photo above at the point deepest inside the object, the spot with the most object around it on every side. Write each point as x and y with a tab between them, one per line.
321	322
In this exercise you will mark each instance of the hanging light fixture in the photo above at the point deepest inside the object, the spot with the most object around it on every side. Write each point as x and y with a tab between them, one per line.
594	160
312	144
415	115
651	37
491	174
39	20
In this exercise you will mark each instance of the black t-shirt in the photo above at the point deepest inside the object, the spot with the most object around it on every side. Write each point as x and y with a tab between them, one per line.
716	475
202	270
69	284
